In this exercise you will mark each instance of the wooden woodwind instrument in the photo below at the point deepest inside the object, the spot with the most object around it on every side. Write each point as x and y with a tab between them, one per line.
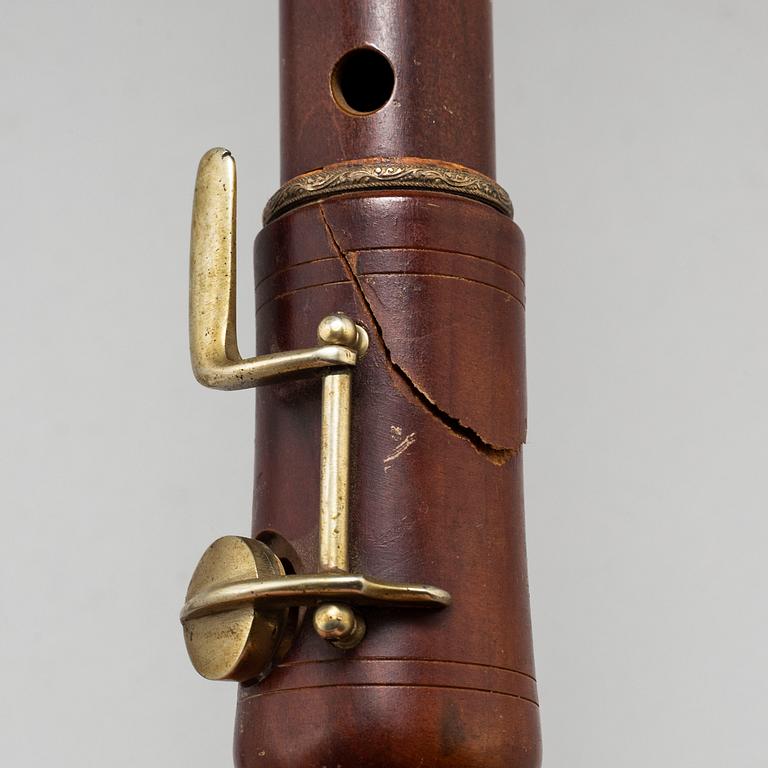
378	616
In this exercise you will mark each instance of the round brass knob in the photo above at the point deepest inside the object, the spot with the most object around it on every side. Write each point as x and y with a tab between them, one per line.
241	643
340	329
339	625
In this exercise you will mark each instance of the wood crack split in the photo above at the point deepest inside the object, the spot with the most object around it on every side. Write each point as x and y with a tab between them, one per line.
495	454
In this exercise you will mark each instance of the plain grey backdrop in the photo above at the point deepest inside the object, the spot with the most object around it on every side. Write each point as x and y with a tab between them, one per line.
633	138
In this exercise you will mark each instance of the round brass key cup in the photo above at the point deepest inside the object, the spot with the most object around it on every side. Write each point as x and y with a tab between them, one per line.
240	643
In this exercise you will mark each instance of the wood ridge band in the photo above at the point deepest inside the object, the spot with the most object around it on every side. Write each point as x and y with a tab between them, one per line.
395	672
375	174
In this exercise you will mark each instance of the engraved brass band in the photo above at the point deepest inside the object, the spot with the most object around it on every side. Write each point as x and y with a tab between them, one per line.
374	174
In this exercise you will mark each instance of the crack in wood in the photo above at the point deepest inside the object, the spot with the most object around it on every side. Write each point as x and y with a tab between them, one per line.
497	455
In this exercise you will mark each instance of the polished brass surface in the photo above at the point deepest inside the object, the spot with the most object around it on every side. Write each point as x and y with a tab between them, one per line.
339	625
334	444
216	359
309	589
372	174
242	641
334	471
340	329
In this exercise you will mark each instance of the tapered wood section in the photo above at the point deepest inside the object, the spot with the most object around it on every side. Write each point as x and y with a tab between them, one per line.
438	423
438	414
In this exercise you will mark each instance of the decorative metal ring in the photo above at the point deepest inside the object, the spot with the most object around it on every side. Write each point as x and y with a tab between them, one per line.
387	174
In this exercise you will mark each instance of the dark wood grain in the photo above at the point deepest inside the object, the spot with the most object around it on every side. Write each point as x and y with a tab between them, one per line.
438	421
439	409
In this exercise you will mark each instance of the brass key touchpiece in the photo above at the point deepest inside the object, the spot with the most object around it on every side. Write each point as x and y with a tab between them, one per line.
237	617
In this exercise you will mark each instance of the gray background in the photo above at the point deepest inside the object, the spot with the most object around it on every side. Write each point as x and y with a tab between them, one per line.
633	138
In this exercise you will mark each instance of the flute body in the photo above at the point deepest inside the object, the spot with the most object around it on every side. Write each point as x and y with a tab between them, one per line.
389	215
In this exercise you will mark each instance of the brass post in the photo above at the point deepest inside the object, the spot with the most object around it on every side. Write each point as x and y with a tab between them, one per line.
334	472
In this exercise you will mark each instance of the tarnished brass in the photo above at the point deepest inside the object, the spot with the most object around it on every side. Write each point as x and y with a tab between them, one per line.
240	605
307	589
370	174
241	641
334	471
216	360
339	625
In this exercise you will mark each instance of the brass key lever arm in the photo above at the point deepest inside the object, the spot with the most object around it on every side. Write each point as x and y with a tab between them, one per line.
237	615
216	360
311	589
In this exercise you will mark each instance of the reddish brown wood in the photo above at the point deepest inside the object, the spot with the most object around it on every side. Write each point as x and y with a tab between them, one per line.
438	409
442	106
437	280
